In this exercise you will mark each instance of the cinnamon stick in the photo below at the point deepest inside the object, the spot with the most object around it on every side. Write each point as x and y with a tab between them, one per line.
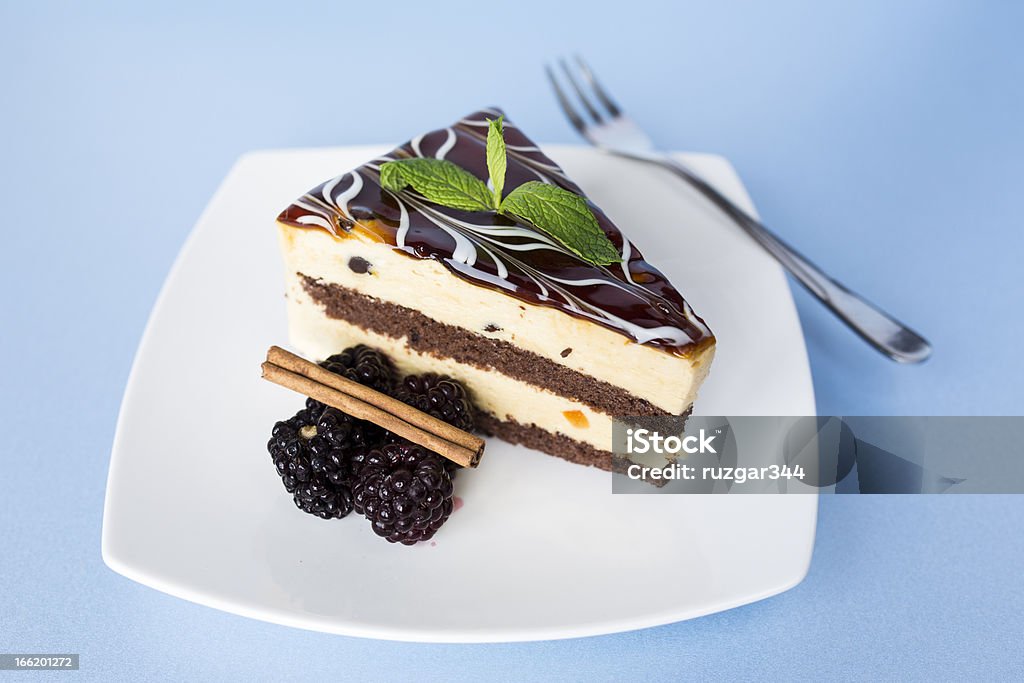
295	373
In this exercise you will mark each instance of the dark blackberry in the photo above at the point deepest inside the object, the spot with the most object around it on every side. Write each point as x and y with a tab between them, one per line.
357	458
440	396
364	365
405	491
325	501
311	452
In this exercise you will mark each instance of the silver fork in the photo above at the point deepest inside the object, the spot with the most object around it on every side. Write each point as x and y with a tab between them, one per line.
604	125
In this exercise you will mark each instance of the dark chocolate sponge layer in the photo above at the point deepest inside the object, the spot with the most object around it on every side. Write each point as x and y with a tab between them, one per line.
558	445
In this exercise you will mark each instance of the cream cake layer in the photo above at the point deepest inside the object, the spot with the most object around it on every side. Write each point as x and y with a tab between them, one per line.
499	397
666	381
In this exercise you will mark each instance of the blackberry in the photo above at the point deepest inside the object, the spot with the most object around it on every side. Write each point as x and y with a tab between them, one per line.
405	491
311	451
440	396
326	502
362	364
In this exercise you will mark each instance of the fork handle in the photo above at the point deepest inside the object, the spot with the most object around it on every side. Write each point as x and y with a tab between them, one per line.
875	326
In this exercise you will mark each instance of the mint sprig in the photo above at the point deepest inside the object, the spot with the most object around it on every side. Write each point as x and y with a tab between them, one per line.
563	215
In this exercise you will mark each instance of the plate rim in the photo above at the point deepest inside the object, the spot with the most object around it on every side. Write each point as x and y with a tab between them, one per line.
451	636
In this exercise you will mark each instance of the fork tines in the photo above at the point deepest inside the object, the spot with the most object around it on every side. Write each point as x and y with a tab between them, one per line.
598	95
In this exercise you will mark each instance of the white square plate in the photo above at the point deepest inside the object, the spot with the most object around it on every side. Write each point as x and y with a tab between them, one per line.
541	548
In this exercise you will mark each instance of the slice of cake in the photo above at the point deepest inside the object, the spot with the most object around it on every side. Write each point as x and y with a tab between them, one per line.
551	341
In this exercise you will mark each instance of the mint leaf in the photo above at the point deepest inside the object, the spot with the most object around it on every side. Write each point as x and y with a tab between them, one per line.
496	161
565	216
439	181
391	176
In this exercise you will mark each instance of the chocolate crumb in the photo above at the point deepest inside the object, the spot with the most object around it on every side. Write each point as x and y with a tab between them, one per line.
491	327
414	336
359	265
566	352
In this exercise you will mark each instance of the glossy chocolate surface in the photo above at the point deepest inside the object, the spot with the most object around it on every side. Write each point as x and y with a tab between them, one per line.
631	297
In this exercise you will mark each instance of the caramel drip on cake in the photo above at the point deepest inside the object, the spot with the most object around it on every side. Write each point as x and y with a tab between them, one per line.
490	250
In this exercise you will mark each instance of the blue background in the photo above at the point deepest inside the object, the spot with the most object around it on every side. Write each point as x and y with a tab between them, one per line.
884	139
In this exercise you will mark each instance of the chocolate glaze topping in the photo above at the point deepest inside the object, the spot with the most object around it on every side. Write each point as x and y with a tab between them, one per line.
631	297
